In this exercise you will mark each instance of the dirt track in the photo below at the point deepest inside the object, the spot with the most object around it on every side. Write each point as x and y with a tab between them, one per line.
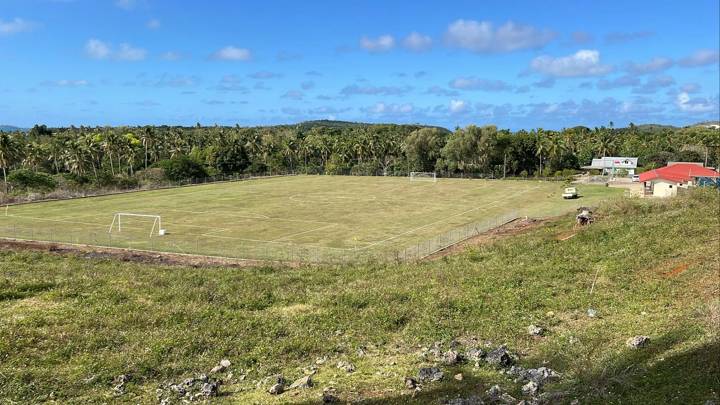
98	252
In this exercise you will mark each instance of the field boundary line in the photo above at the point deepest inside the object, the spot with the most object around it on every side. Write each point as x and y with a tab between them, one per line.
514	218
259	216
52	220
112	193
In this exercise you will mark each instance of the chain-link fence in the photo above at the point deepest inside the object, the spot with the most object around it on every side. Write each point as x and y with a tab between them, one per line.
254	250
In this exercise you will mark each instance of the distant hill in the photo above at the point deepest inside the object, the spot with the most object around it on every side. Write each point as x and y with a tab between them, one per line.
347	124
655	127
707	124
10	128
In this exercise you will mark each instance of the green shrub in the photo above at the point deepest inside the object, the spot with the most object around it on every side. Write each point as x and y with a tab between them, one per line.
365	169
182	168
153	175
569	172
24	179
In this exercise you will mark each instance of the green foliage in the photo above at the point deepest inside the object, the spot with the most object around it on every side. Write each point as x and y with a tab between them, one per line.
470	149
330	147
182	168
423	148
28	180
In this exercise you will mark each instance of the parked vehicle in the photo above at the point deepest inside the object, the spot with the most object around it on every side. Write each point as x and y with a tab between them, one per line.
570	193
636	178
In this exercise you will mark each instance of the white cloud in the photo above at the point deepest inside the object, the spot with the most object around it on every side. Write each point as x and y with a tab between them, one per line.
389	109
417	42
582	63
294	95
484	37
97	49
171	56
125	4
690	88
375	90
232	53
153	24
472	83
700	58
699	105
232	83
621	37
652	66
581	37
440	91
458	106
127	52
622	81
264	74
66	83
382	43
654	84
15	26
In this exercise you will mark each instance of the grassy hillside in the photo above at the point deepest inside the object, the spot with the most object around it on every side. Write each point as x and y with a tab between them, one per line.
71	325
10	128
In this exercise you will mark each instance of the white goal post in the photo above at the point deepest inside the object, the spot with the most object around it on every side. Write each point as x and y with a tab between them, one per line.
157	222
423	176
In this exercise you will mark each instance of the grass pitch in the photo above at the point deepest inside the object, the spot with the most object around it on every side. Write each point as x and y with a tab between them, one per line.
309	218
71	325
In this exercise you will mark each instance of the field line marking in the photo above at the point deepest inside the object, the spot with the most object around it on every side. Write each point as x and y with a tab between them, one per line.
303	232
55	220
258	216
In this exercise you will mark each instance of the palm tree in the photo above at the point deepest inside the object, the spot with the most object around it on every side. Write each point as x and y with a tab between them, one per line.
555	146
146	137
35	154
604	142
541	145
9	151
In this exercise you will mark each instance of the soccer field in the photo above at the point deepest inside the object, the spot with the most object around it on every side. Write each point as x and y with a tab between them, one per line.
299	218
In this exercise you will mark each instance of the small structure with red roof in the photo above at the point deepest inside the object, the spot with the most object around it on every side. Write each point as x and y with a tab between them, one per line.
665	181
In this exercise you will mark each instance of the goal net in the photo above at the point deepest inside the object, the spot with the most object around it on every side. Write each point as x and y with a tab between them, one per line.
423	176
120	220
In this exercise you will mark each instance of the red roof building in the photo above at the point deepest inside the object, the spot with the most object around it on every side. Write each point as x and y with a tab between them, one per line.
664	182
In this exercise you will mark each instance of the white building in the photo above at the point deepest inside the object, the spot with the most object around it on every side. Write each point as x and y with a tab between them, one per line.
611	165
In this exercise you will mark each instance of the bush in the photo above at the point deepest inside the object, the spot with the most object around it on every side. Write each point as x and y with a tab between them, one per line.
153	175
28	180
68	181
126	182
365	169
182	168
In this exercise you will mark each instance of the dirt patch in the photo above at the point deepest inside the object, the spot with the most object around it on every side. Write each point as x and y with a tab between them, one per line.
516	227
677	270
566	236
103	253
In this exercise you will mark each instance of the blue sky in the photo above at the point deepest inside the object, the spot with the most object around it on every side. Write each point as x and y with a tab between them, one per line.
518	64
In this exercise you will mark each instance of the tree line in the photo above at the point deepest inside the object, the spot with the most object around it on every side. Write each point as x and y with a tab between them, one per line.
112	156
